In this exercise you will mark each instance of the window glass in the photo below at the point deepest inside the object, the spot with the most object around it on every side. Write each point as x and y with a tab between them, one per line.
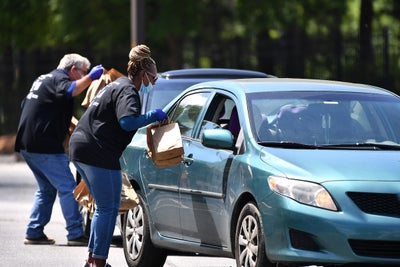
318	118
168	90
187	112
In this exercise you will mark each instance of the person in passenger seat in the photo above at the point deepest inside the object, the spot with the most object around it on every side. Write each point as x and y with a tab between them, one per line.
234	124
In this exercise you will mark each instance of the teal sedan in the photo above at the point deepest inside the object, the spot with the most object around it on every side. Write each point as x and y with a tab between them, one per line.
275	172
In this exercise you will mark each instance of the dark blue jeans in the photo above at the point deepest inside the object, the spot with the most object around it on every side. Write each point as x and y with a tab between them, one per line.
53	176
105	185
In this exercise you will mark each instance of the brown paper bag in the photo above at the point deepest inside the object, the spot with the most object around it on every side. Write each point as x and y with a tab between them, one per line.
72	126
129	199
162	163
83	196
164	142
96	85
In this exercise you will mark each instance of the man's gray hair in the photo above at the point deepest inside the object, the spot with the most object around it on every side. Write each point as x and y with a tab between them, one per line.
76	60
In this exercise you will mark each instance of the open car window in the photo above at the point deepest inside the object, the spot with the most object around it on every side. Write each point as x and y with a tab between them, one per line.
221	114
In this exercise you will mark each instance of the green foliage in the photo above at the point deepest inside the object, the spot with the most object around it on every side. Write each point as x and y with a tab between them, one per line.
174	18
94	24
25	23
287	38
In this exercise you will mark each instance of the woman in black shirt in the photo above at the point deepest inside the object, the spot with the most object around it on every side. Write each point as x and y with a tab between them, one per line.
102	134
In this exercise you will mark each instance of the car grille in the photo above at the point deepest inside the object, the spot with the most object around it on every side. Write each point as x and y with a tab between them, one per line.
376	248
377	203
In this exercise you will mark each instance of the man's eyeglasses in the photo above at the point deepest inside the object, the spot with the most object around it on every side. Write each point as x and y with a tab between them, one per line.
82	70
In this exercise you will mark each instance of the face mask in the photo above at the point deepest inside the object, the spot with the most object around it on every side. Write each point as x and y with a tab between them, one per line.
144	88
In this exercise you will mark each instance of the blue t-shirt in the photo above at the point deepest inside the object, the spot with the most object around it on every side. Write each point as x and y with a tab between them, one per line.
46	114
98	139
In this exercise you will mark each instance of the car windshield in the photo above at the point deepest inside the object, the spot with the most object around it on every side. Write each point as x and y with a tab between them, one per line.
325	119
159	98
166	90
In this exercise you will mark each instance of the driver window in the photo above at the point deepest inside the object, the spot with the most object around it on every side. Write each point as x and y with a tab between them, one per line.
221	113
187	112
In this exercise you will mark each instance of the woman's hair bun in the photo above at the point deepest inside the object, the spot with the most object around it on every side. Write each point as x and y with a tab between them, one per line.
139	59
139	52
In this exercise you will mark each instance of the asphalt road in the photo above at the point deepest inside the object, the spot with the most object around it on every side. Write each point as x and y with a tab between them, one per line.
17	186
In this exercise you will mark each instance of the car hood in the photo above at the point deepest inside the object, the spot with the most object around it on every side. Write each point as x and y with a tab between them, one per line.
334	165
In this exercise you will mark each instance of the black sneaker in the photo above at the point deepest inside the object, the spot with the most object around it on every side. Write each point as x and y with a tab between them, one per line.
87	264
80	241
43	240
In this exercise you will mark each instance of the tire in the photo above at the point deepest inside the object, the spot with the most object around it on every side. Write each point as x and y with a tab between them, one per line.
249	239
139	251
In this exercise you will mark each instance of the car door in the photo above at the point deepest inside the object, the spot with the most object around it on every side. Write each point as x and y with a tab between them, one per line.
161	189
203	184
163	183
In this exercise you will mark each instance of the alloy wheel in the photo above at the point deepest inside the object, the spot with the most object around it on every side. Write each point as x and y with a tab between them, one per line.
248	242
134	231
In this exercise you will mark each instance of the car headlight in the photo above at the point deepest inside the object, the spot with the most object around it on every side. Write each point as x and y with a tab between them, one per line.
304	192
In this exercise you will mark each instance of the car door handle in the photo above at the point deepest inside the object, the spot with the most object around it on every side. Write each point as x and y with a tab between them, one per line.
188	160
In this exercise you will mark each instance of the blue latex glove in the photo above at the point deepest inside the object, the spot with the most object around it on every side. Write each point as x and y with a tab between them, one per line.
161	115
96	72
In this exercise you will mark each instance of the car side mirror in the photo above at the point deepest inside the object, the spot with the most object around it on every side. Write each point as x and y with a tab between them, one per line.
217	138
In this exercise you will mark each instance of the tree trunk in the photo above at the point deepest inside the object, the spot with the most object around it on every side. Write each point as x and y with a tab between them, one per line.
366	51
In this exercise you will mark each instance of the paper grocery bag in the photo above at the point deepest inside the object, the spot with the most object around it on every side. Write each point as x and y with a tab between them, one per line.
83	196
129	198
96	85
162	163
164	142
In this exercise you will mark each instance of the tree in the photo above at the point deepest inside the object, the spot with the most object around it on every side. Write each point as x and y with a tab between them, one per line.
17	36
366	51
171	24
288	38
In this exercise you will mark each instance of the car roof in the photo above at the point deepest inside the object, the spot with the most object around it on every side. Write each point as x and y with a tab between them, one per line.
170	83
291	84
210	73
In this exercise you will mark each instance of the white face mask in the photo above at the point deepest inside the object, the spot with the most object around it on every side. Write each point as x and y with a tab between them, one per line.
144	88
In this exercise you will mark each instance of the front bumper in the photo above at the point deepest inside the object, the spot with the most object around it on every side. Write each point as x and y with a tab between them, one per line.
299	233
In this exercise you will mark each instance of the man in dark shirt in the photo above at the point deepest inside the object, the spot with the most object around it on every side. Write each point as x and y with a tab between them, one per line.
43	126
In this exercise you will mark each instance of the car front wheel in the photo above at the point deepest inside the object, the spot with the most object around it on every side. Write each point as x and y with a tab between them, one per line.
249	239
139	251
